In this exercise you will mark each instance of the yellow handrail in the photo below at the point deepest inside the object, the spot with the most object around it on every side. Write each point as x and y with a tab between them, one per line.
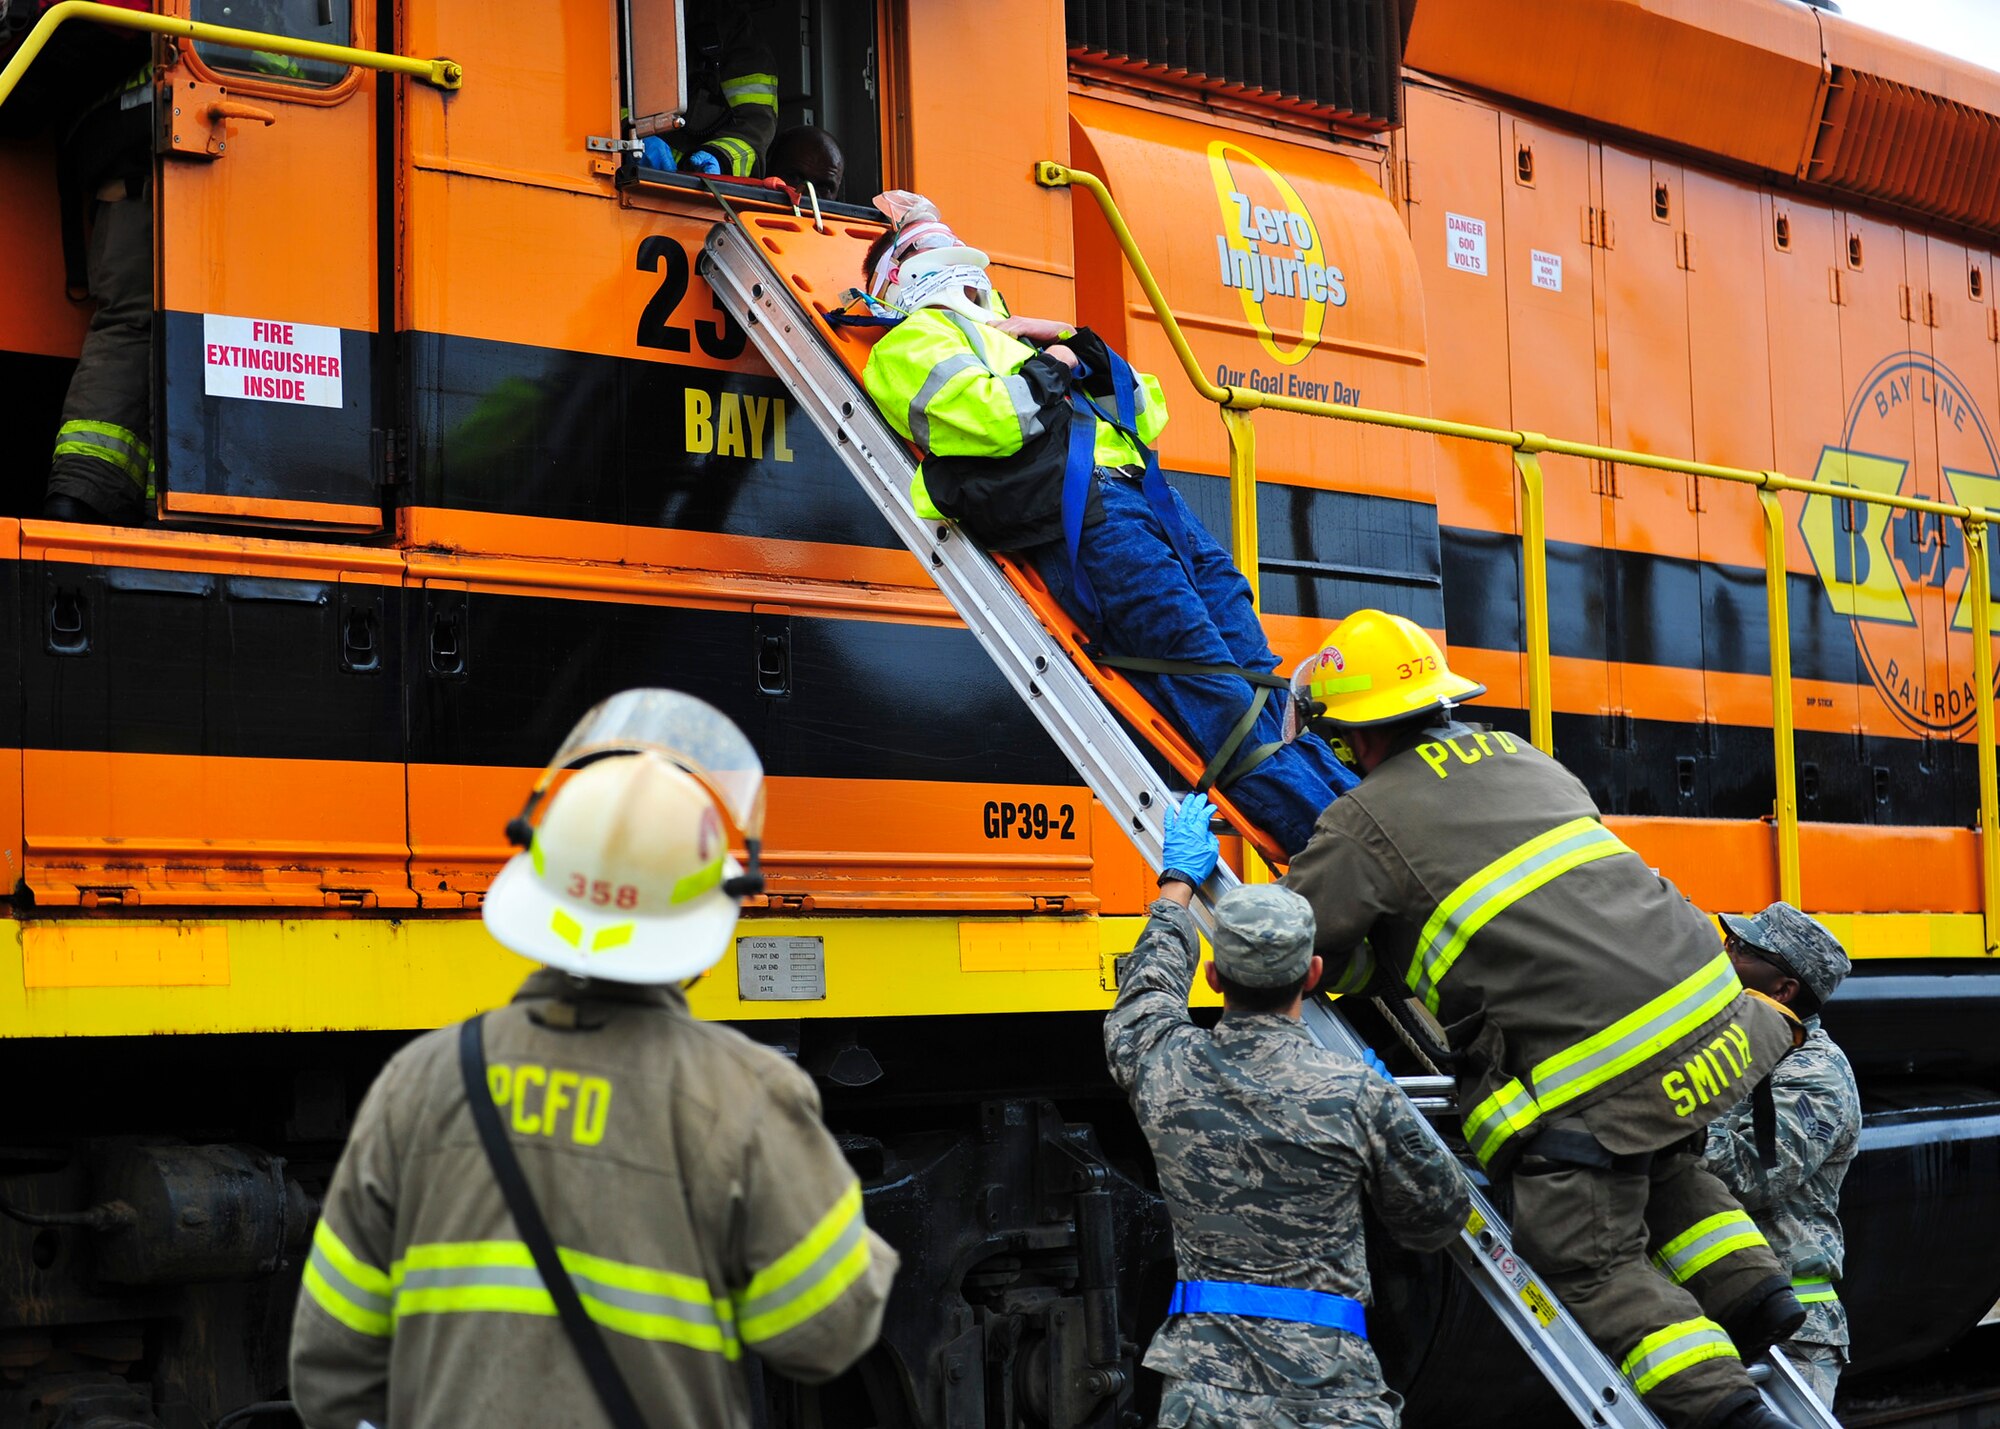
444	74
1527	448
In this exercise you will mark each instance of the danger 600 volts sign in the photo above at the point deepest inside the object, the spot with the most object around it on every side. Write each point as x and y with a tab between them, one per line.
269	361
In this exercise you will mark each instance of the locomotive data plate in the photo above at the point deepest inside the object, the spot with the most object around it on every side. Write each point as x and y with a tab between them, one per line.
781	969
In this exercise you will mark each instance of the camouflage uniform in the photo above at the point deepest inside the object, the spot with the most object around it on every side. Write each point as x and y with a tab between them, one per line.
1796	1202
1265	1143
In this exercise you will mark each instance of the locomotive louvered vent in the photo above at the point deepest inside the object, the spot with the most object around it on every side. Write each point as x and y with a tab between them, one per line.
1331	59
1910	147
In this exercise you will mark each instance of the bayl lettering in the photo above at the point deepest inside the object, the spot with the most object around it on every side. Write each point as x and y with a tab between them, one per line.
737	424
1879	566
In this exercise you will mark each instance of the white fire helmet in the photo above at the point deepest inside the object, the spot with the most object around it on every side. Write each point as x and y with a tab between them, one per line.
623	879
628	875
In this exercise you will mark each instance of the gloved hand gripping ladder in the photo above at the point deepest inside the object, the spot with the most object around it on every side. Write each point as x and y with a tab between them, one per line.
1119	774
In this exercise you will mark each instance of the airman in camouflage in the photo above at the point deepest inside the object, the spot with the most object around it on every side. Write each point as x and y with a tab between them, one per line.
1265	1144
1787	955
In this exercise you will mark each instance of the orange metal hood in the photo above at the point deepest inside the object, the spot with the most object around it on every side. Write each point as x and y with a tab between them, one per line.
1772	84
1290	271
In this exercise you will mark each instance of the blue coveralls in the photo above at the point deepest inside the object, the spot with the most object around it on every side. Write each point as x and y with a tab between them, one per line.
956	389
1150	605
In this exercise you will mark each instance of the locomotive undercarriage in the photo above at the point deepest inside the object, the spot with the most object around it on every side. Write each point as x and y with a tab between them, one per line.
158	1192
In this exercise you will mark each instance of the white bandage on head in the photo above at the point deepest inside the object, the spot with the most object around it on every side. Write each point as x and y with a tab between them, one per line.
926	265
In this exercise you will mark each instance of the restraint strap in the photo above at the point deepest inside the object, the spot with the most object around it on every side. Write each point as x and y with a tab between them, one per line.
1226	750
1220	773
1269	1302
612	1392
1147	665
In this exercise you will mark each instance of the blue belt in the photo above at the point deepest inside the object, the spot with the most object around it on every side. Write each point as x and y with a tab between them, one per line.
1268	1302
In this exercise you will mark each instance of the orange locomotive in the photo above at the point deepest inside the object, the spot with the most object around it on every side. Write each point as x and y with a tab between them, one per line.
449	440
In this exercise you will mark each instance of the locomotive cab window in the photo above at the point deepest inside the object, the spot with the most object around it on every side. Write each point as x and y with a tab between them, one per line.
752	89
327	21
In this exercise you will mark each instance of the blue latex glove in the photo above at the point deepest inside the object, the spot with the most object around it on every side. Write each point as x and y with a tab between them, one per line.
1190	846
658	155
1374	1064
701	162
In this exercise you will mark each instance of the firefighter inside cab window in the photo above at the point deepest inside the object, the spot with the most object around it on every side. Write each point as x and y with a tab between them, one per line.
732	93
101	468
327	21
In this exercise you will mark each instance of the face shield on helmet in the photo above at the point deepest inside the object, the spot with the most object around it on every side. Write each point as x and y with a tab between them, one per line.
1310	679
627	874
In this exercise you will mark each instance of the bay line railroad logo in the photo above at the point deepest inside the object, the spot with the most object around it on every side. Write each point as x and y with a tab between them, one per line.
1900	577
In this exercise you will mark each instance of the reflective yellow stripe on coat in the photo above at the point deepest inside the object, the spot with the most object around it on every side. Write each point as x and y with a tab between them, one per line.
808	1277
1497	887
499	1277
344	1285
740	153
1580	1069
751	89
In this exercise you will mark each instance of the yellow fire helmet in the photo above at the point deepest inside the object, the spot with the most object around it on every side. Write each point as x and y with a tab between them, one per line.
1374	668
623	878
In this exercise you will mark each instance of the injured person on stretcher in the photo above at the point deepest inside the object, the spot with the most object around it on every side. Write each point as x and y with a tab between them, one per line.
1036	439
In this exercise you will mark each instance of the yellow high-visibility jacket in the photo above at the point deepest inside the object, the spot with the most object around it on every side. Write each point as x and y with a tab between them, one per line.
992	415
697	1201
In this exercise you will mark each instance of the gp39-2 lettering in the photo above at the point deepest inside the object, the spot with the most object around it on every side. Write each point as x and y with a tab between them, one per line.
1005	819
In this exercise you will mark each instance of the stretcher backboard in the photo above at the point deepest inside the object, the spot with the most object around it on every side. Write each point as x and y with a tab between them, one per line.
819	267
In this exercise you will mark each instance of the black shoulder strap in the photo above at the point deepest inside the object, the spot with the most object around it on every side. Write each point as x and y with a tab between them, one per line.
612	1391
1764	1123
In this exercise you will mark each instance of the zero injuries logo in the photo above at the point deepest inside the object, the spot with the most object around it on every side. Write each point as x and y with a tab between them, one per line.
1270	251
1900	577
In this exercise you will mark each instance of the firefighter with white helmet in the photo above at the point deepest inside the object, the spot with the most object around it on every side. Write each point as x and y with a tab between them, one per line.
656	1190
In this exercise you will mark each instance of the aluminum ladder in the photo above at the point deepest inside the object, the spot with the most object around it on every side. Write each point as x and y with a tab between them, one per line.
1126	784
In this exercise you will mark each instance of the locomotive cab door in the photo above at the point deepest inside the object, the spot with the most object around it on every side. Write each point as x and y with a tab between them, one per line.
270	280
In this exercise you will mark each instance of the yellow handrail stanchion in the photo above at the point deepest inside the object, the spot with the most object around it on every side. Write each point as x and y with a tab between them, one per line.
1535	597
1778	606
1977	539
1243	546
444	74
1243	499
1051	175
